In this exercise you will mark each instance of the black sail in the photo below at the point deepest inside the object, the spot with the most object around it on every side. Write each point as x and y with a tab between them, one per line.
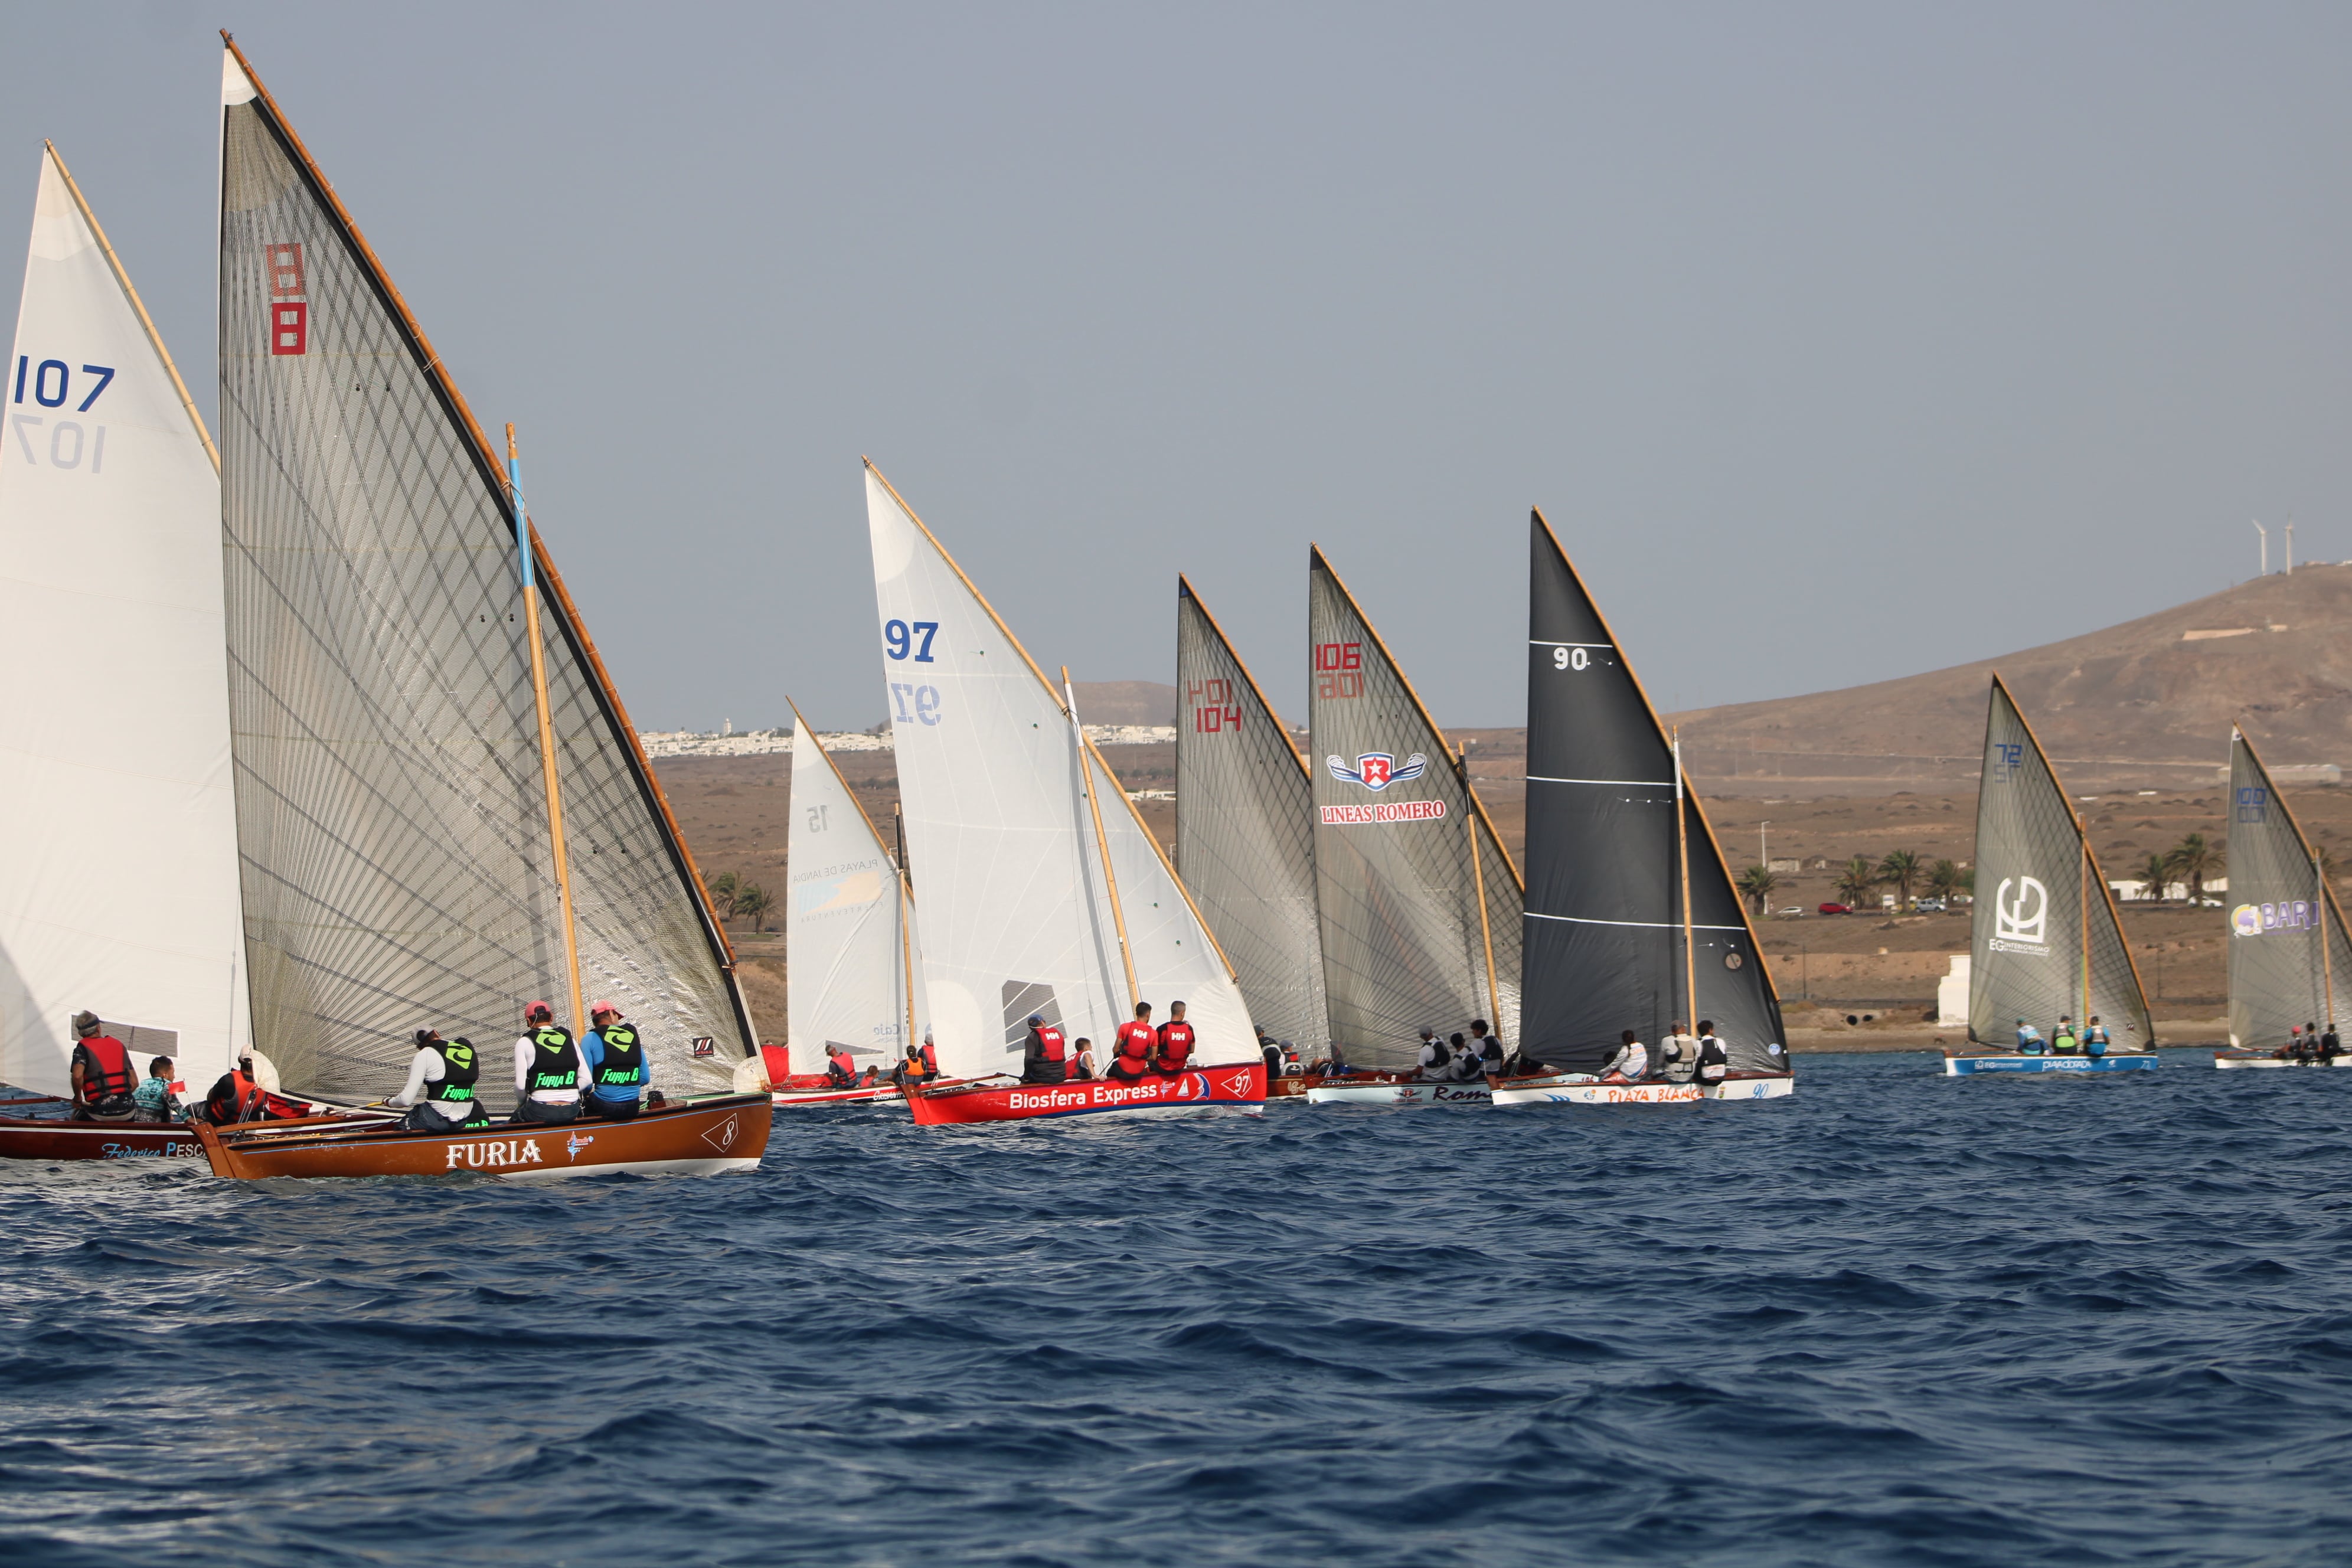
2045	937
2288	952
1606	949
1420	906
1245	831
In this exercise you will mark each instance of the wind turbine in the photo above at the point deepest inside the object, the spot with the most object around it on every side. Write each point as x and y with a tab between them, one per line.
2266	547
2290	544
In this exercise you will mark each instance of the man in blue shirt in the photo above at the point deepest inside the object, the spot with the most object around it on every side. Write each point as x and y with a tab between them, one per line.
613	1059
2028	1040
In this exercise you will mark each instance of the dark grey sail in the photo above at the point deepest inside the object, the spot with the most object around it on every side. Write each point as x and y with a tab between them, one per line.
2288	952
1245	831
1606	948
392	818
1421	907
2045	939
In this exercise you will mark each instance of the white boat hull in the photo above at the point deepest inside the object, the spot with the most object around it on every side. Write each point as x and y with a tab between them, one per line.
1583	1089
1399	1094
2229	1059
1763	1086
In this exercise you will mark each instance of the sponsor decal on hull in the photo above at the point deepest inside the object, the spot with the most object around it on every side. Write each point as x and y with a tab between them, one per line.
188	1149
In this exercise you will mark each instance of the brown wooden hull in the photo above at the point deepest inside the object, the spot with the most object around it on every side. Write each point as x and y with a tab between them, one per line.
42	1138
700	1139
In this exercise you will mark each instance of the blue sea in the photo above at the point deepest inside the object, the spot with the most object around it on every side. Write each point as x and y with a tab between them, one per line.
1898	1318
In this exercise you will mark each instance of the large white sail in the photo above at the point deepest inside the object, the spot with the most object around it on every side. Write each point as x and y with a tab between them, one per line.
1001	834
117	819
848	927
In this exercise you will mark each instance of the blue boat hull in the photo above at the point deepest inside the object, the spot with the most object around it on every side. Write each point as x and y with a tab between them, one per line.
2136	1061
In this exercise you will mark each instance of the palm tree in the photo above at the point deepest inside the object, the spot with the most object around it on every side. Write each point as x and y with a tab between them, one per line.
1756	885
1902	868
1857	881
2193	860
754	902
1945	881
723	888
2155	874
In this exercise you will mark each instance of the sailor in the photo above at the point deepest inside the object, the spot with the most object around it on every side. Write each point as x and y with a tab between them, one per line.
1714	1063
1271	1049
235	1096
840	1071
909	1069
1134	1047
1678	1054
2028	1040
613	1059
547	1070
1486	1049
1333	1065
930	1058
1047	1057
2311	1041
102	1079
441	1079
1082	1060
1631	1064
1175	1046
153	1097
2293	1046
2094	1039
2063	1040
1436	1057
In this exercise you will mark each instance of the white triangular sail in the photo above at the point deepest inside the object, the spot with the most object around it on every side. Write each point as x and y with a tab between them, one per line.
1000	836
848	927
117	819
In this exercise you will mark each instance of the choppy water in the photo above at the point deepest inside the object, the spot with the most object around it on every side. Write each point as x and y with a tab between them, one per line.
1895	1320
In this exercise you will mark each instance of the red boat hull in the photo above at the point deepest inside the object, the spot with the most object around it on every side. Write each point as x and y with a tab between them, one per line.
1237	1087
698	1139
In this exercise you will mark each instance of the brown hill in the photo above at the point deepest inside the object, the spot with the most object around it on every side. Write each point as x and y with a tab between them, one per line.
2150	700
1125	701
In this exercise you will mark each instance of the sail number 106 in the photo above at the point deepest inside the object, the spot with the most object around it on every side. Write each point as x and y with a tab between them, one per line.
1338	669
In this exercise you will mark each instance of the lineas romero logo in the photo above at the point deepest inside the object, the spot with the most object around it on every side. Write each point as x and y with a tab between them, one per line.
1376	771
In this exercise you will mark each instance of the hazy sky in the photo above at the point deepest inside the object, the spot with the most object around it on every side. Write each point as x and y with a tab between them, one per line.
1838	341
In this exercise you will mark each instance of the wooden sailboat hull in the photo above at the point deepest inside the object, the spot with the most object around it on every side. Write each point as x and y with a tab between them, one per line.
1239	1087
1584	1089
36	1138
1957	1066
1751	1086
2227	1059
1396	1092
700	1139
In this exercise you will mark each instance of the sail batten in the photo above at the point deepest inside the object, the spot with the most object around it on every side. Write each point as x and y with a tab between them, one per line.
2289	954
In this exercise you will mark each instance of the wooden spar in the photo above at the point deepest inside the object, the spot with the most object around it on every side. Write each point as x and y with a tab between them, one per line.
1682	857
2083	903
138	307
547	767
905	920
1478	885
567	614
1102	839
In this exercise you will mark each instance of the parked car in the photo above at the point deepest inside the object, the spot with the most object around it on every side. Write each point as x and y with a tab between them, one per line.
1930	906
1837	909
1794	910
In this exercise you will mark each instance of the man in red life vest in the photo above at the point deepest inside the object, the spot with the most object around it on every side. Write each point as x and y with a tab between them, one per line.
1047	1059
930	1058
235	1096
1175	1042
102	1079
1133	1047
840	1072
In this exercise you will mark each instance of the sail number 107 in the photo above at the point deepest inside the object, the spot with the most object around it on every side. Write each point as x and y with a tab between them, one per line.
67	442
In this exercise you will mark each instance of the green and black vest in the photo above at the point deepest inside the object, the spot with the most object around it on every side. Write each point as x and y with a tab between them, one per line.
623	1066
459	1068
554	1062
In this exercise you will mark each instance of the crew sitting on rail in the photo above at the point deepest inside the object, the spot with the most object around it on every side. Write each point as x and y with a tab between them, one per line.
613	1061
1175	1047
153	1097
2028	1040
909	1069
1082	1060
1047	1057
1487	1049
840	1071
1333	1065
1677	1055
1271	1049
441	1079
1714	1059
1434	1059
2330	1047
547	1070
930	1058
235	1096
102	1079
1467	1066
1133	1048
2094	1039
2063	1042
1631	1064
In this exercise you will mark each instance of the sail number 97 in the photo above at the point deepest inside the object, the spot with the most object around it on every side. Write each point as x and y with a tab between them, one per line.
899	639
1338	669
1570	658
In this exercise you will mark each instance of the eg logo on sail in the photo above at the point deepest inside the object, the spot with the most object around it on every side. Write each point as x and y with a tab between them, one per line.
2021	921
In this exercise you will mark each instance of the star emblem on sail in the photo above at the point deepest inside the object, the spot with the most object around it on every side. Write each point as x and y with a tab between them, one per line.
1378	770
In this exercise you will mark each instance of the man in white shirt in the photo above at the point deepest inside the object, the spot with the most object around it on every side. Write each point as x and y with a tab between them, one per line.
1631	1064
547	1070
440	1086
1677	1055
1436	1056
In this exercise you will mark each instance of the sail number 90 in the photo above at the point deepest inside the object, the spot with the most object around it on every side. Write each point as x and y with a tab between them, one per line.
1570	659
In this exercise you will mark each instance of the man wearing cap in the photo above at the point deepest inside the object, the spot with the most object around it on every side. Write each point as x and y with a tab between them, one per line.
614	1063
1047	1057
103	1082
441	1079
547	1070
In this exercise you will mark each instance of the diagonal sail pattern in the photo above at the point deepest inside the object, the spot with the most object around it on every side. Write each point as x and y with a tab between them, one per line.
2289	955
1403	853
1017	917
1606	949
1245	831
848	927
397	866
2045	937
117	817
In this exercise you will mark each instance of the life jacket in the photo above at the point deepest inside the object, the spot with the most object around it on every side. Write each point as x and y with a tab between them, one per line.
111	1058
1045	1044
930	1059
1175	1046
623	1066
460	1070
2062	1041
1136	1043
555	1060
1712	1060
839	1067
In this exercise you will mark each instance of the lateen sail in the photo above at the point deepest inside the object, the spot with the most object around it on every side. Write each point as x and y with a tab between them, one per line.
1606	949
1016	913
2280	977
390	808
2045	939
1245	831
1403	853
848	930
116	812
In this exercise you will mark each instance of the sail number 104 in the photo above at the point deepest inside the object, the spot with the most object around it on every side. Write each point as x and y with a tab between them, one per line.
1215	713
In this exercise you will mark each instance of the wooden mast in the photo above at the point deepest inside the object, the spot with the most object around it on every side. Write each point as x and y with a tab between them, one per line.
546	728
1102	839
906	917
1682	860
1478	884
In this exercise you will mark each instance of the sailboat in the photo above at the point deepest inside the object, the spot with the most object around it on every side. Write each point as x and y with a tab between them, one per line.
1044	893
1418	903
1632	921
849	931
2288	951
1244	835
2045	939
118	823
403	715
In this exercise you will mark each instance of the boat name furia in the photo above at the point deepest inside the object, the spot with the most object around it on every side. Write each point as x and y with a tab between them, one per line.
497	1152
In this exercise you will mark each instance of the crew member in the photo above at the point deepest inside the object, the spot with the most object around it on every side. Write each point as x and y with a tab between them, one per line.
2094	1039
613	1058
930	1054
1677	1055
1047	1057
235	1096
1134	1045
1631	1064
909	1069
441	1079
840	1071
153	1097
2028	1040
102	1079
1433	1058
1175	1045
1469	1066
2062	1039
1714	1059
2330	1047
1082	1060
1488	1048
547	1070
